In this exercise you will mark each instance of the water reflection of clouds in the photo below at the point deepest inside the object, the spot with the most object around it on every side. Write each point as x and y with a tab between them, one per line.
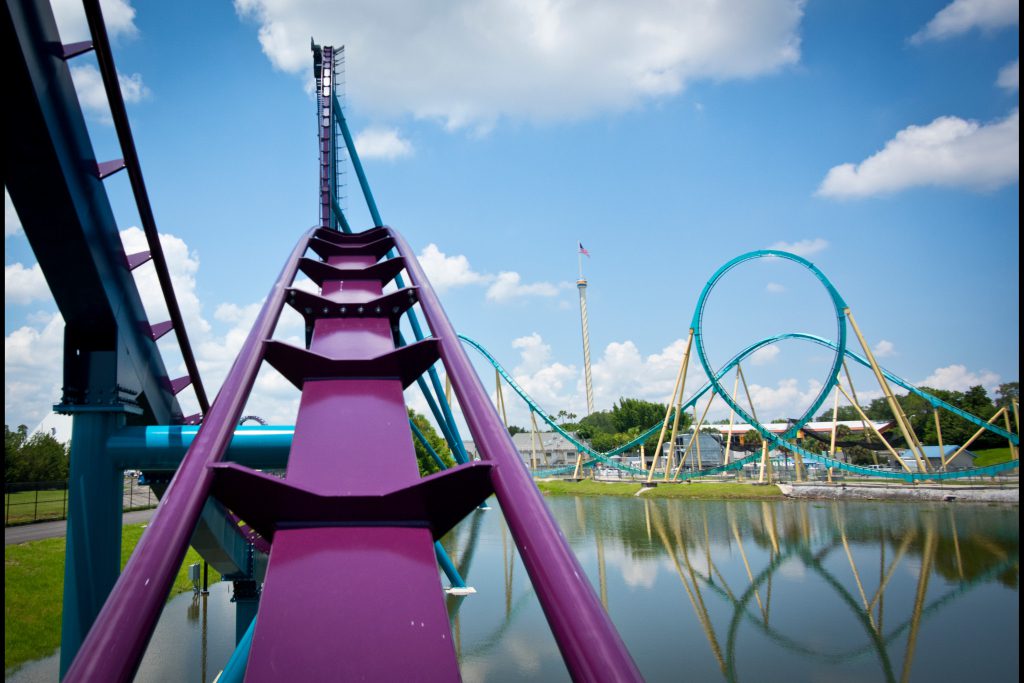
636	573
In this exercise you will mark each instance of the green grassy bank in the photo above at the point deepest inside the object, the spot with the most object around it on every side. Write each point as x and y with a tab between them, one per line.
34	584
991	456
697	490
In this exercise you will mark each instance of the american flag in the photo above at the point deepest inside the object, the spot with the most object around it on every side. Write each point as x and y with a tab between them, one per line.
583	250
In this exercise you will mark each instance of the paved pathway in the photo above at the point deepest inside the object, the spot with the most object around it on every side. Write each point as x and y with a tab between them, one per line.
35	532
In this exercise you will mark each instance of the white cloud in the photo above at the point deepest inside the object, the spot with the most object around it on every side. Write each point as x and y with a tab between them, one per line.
24	285
785	399
540	61
92	96
884	349
508	285
12	223
948	152
774	288
382	143
1009	77
118	16
806	247
32	371
961	16
765	355
183	265
959	378
446	272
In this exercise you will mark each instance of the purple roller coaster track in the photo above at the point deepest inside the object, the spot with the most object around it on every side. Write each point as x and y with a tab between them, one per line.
340	553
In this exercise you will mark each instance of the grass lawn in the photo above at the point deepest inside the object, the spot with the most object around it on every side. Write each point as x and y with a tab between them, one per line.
697	490
24	506
991	456
33	585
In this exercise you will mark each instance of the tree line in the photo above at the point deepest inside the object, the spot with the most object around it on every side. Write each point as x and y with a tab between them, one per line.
38	457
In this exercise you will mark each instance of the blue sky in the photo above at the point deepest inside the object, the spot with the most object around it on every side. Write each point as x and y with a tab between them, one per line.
878	139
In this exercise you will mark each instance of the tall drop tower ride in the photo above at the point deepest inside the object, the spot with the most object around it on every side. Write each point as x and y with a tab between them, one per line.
581	285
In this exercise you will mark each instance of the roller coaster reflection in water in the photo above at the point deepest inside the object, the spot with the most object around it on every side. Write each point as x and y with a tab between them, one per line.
748	414
770	590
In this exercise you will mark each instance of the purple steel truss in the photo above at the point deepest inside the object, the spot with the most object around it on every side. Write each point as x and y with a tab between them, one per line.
352	587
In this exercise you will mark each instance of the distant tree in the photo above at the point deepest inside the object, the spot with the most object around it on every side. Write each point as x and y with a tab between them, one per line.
515	429
845	413
423	458
751	439
859	455
1006	394
13	461
39	457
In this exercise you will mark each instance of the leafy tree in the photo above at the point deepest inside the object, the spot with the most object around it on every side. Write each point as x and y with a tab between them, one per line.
38	457
426	463
859	455
515	429
1006	393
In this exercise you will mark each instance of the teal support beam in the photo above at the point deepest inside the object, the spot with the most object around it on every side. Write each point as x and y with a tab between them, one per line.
162	447
234	670
448	566
93	557
356	164
426	444
455	440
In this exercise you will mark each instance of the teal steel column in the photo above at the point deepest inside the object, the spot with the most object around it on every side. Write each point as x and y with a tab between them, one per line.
93	558
356	164
458	449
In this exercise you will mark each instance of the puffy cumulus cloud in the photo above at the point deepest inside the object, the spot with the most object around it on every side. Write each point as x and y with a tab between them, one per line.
1009	77
884	349
32	370
89	87
948	152
961	16
959	378
537	60
785	399
774	288
765	355
807	247
12	223
447	272
24	285
118	16
183	264
552	385
382	143
508	286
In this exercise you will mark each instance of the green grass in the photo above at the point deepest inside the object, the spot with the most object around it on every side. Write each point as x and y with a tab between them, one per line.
991	456
34	584
26	506
695	491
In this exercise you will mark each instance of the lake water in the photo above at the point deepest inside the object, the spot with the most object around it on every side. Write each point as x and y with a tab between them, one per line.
710	591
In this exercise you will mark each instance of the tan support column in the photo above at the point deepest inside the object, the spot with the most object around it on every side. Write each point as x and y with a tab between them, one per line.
901	419
677	391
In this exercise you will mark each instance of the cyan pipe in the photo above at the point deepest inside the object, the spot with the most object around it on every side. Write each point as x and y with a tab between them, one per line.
162	447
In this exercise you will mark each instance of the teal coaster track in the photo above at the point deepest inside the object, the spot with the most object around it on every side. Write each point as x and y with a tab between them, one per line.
714	385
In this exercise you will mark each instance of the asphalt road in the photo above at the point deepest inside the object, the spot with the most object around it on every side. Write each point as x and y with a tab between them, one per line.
35	532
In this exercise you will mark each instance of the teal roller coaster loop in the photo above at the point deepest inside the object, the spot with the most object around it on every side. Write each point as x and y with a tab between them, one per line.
837	363
732	363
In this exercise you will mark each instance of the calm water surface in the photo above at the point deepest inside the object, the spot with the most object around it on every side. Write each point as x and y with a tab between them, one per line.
712	591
